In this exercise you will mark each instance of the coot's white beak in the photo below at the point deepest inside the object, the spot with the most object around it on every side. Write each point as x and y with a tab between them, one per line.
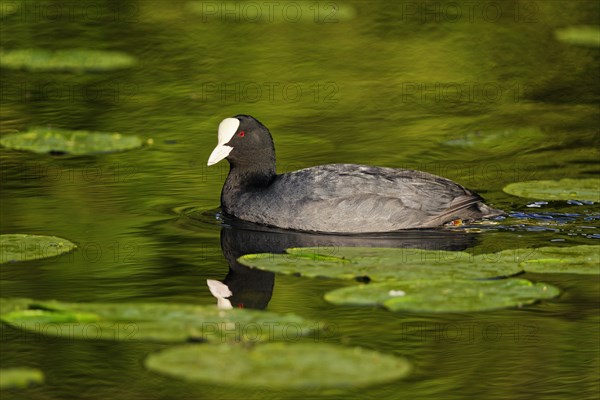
219	153
227	129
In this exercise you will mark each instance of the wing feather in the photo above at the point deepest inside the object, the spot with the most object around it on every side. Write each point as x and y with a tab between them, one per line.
339	197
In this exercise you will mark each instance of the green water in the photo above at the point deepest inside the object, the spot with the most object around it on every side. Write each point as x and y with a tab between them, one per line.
396	84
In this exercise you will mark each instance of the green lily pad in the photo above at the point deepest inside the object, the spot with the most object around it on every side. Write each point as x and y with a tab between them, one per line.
65	60
444	295
20	377
50	317
8	305
21	247
564	189
279	365
62	141
582	35
380	264
152	322
566	260
499	141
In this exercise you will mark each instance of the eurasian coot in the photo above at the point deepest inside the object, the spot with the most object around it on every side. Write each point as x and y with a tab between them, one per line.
340	198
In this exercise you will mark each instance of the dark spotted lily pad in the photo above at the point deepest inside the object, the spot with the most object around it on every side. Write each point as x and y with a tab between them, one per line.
20	247
566	260
380	264
65	60
564	189
150	322
62	141
588	36
20	377
279	365
444	295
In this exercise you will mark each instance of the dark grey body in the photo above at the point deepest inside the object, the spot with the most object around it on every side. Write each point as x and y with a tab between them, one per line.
333	198
350	198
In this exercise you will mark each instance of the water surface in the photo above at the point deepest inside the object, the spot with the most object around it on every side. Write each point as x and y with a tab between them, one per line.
396	84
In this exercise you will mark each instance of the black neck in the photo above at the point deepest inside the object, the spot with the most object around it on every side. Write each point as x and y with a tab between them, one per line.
248	175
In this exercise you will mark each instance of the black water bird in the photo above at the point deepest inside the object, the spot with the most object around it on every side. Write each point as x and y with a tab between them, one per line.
334	198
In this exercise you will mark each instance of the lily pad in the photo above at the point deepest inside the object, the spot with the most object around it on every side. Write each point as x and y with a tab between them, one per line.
21	247
381	264
444	295
582	35
8	305
20	377
62	141
566	260
564	189
499	141
65	60
279	365
152	322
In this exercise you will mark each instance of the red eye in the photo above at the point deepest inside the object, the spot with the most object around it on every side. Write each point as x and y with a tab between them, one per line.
241	134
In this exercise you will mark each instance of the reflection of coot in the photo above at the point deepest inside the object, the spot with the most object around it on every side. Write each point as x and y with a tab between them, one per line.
250	288
253	288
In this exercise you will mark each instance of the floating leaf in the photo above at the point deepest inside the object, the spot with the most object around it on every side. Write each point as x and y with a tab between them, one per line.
50	317
279	365
567	260
444	295
21	377
62	141
564	189
21	247
382	263
8	305
65	60
151	322
582	35
498	141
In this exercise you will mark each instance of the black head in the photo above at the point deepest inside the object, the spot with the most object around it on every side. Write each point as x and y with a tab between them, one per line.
244	142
